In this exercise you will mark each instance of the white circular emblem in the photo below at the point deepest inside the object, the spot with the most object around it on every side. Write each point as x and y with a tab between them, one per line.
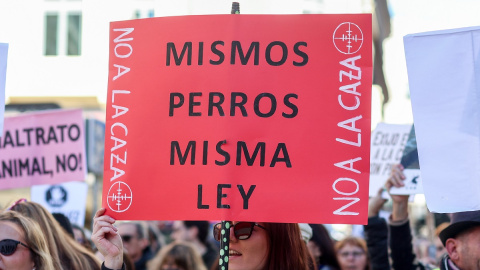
119	197
348	38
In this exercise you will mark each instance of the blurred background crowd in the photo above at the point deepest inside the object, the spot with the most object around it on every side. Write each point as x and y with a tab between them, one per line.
192	245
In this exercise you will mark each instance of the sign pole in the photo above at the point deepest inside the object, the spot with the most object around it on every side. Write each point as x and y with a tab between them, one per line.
225	227
224	244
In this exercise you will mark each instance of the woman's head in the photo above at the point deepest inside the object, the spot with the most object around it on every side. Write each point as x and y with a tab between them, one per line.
267	246
352	254
22	244
321	246
37	213
80	237
177	256
65	251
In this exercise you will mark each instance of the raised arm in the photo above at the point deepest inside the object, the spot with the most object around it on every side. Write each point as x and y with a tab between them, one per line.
107	240
400	233
376	234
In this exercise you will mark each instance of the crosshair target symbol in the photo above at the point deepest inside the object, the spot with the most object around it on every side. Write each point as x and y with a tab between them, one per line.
119	197
348	38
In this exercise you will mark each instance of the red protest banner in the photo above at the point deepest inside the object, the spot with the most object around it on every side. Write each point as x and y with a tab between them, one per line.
46	147
246	117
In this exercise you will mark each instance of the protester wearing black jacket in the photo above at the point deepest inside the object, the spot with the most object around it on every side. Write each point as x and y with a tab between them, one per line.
398	232
376	235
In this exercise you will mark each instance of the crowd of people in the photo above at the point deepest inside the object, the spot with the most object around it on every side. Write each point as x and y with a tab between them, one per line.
33	238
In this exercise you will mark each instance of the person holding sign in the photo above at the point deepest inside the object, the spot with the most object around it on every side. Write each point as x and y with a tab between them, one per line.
22	244
461	238
400	233
266	246
108	241
398	230
253	246
63	248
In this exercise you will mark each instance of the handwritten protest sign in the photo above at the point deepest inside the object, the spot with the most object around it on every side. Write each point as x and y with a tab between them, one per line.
444	80
42	148
266	118
413	180
3	78
69	198
387	145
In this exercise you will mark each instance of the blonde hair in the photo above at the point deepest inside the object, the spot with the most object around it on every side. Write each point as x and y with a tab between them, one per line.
67	253
183	254
34	239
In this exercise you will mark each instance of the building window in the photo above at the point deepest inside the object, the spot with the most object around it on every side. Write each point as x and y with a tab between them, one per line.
51	34
63	28
74	34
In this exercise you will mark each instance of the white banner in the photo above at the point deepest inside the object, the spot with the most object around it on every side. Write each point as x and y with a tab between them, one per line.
444	78
67	198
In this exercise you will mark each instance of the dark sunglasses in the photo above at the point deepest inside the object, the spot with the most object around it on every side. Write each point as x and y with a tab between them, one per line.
8	246
126	238
241	230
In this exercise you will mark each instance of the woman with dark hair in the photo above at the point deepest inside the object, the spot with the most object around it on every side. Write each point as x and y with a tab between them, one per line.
322	249
253	246
278	246
287	248
80	237
266	246
352	254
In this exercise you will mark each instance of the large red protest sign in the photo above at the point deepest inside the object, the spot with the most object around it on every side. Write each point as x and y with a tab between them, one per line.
239	117
42	148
